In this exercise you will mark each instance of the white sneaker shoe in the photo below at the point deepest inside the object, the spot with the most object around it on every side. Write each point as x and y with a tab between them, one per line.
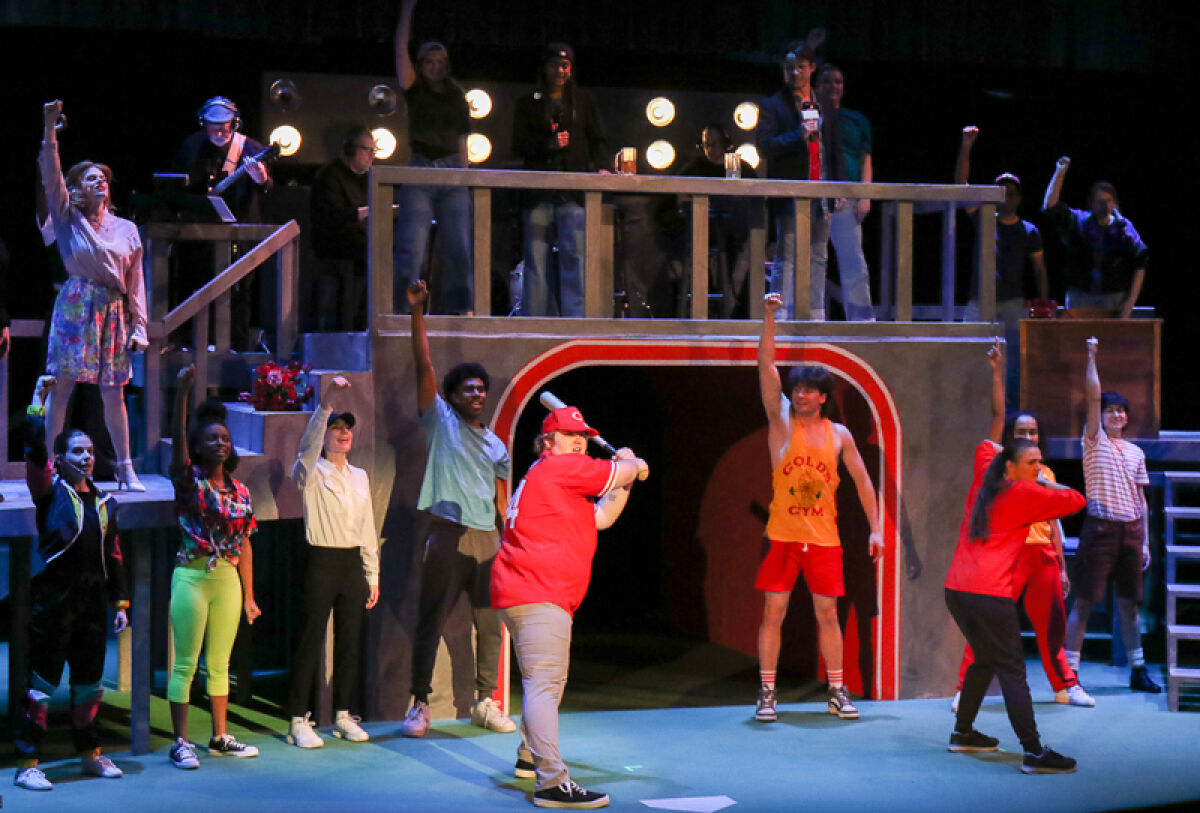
301	733
346	726
954	703
32	778
1075	696
417	721
486	714
100	766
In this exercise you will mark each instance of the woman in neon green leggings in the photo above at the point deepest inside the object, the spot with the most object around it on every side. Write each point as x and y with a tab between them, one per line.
214	569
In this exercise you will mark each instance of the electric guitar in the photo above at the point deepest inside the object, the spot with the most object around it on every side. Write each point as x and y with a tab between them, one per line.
266	156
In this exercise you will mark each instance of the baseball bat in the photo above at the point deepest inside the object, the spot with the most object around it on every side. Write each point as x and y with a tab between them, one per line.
551	401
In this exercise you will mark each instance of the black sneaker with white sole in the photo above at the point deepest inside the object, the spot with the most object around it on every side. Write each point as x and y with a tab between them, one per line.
226	746
972	741
1049	761
183	755
570	796
524	769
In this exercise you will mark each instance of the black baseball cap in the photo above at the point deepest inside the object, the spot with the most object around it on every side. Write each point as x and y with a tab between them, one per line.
345	417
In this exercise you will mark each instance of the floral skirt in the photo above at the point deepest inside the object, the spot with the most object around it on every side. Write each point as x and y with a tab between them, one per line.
89	335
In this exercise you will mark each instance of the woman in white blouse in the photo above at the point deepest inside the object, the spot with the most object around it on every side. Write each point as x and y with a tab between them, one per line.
99	317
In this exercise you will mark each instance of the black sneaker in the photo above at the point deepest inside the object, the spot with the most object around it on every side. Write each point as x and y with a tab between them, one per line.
972	741
764	710
226	746
183	755
570	796
1048	761
1140	681
524	769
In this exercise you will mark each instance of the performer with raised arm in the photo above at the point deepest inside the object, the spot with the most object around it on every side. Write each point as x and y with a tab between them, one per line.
541	576
99	317
84	576
1115	540
806	448
1018	249
1040	580
1106	258
458	493
342	575
213	581
1005	498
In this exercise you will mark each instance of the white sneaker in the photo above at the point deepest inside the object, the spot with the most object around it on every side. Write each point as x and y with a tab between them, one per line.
486	714
1075	696
301	733
417	721
32	778
954	703
100	766
346	726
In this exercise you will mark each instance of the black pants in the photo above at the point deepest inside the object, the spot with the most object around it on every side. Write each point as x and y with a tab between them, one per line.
457	560
993	629
68	626
333	580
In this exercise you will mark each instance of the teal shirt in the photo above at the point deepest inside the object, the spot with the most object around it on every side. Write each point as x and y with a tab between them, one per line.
856	141
461	469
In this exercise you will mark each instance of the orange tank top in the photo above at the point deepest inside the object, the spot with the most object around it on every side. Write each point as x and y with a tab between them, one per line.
803	508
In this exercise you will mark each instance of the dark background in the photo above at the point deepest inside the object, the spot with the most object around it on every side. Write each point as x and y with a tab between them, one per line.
1100	81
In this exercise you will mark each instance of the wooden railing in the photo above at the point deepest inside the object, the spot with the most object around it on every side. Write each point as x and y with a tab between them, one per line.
899	203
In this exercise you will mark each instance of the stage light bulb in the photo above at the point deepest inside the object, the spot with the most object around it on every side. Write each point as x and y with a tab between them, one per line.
745	116
660	154
478	148
287	137
479	102
660	111
284	95
749	154
385	142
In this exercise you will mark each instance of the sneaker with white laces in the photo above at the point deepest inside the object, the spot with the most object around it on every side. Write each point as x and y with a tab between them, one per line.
183	755
486	714
346	726
764	710
417	721
1049	761
100	766
1075	696
226	746
839	704
570	796
301	733
954	702
32	778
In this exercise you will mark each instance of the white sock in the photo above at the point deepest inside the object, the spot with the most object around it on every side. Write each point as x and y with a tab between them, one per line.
1136	658
1072	659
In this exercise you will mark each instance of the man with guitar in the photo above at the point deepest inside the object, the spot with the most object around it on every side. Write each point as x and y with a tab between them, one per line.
216	153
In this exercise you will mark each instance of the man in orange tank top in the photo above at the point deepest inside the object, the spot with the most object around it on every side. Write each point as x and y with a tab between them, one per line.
806	448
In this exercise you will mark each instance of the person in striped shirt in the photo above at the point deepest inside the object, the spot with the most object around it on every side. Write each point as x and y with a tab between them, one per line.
1114	540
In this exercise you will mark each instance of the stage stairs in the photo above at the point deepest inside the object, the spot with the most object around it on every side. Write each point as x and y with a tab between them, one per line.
1182	583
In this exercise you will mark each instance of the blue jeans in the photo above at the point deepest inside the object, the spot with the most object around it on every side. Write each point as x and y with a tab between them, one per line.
846	233
450	206
783	269
539	297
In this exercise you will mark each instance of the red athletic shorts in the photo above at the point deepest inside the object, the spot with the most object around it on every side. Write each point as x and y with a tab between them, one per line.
821	564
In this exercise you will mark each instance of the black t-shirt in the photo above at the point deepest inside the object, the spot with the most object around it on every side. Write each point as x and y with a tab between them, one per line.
436	121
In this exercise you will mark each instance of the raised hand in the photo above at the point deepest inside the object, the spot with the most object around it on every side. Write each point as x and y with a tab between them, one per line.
418	294
969	134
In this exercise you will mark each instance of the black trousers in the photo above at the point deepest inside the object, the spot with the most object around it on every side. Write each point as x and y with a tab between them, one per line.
68	626
333	580
457	560
993	629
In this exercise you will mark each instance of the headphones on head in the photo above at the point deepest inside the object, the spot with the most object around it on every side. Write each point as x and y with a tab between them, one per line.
720	129
222	102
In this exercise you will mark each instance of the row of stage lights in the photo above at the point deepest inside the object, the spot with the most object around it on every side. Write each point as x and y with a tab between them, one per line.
660	112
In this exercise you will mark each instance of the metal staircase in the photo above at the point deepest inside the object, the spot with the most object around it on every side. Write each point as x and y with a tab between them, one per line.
1177	591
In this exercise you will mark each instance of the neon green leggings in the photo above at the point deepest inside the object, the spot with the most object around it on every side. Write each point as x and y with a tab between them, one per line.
205	610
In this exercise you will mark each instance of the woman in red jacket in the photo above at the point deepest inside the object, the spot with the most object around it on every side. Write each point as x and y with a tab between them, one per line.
1006	498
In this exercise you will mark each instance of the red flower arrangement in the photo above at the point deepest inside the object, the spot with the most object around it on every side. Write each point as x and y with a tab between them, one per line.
275	388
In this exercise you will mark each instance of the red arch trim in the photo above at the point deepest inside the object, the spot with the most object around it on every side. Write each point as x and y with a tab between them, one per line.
683	352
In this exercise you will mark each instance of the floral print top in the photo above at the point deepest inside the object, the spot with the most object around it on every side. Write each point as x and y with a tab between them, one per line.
214	521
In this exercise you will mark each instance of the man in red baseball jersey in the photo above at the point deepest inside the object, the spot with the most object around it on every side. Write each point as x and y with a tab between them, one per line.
539	579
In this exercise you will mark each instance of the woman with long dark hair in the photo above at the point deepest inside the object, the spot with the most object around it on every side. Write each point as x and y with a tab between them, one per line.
214	569
1040	581
1006	498
99	315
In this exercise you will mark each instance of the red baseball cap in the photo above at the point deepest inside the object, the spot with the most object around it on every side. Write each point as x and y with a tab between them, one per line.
566	419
